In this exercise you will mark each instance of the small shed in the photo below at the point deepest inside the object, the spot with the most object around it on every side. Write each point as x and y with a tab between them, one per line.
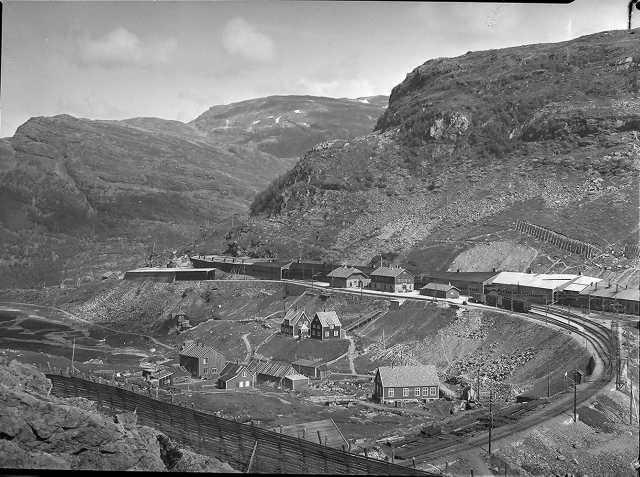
440	290
296	382
314	369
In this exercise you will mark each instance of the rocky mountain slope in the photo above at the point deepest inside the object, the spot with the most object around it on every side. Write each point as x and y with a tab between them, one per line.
40	431
287	126
545	133
78	195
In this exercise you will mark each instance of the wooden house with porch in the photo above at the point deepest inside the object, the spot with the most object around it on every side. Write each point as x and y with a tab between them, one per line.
392	280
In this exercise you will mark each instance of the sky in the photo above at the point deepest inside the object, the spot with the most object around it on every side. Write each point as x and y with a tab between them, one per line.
174	60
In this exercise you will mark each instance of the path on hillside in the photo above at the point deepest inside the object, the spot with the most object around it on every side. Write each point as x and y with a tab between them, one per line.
248	346
351	354
8	304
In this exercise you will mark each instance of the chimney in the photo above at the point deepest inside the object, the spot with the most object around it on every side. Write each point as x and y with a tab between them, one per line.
494	270
616	288
609	286
458	270
596	287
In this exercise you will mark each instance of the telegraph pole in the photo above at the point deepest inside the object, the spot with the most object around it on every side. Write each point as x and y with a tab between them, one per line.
575	394
490	416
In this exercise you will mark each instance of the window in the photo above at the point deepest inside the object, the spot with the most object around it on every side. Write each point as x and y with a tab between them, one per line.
244	374
204	371
391	392
205	360
240	384
326	333
214	370
425	391
335	333
433	391
417	392
405	392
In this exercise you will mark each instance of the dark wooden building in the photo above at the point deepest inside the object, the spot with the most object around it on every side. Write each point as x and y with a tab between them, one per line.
440	290
468	283
404	383
325	325
392	279
296	322
314	369
201	361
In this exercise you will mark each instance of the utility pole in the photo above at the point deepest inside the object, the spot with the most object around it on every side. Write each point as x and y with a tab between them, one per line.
73	353
575	395
490	415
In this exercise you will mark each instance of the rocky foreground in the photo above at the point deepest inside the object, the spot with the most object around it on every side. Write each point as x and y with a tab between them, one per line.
40	431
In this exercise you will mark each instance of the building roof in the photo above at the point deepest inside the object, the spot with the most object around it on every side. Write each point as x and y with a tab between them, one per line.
388	272
294	315
631	294
328	318
163	373
231	370
579	283
296	377
439	286
275	368
477	277
533	280
198	350
401	376
606	291
308	362
344	272
180	371
167	270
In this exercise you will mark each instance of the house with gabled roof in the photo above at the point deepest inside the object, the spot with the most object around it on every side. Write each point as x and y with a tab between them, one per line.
404	383
325	325
440	290
201	360
296	322
236	375
392	279
348	277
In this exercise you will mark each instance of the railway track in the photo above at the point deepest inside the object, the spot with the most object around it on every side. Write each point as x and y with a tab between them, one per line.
520	417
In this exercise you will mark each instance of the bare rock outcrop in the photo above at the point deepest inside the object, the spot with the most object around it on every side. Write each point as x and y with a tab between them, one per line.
40	431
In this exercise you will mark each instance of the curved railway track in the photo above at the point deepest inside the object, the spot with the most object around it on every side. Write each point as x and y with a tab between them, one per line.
521	417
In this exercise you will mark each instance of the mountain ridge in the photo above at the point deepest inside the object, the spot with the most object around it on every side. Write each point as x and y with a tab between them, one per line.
466	147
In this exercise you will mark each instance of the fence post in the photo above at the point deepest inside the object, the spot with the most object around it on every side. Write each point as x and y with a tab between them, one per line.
253	455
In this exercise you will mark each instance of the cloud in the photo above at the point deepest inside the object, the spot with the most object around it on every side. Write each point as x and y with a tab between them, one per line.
240	38
120	48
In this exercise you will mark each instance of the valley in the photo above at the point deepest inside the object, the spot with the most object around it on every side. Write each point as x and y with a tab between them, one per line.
443	280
